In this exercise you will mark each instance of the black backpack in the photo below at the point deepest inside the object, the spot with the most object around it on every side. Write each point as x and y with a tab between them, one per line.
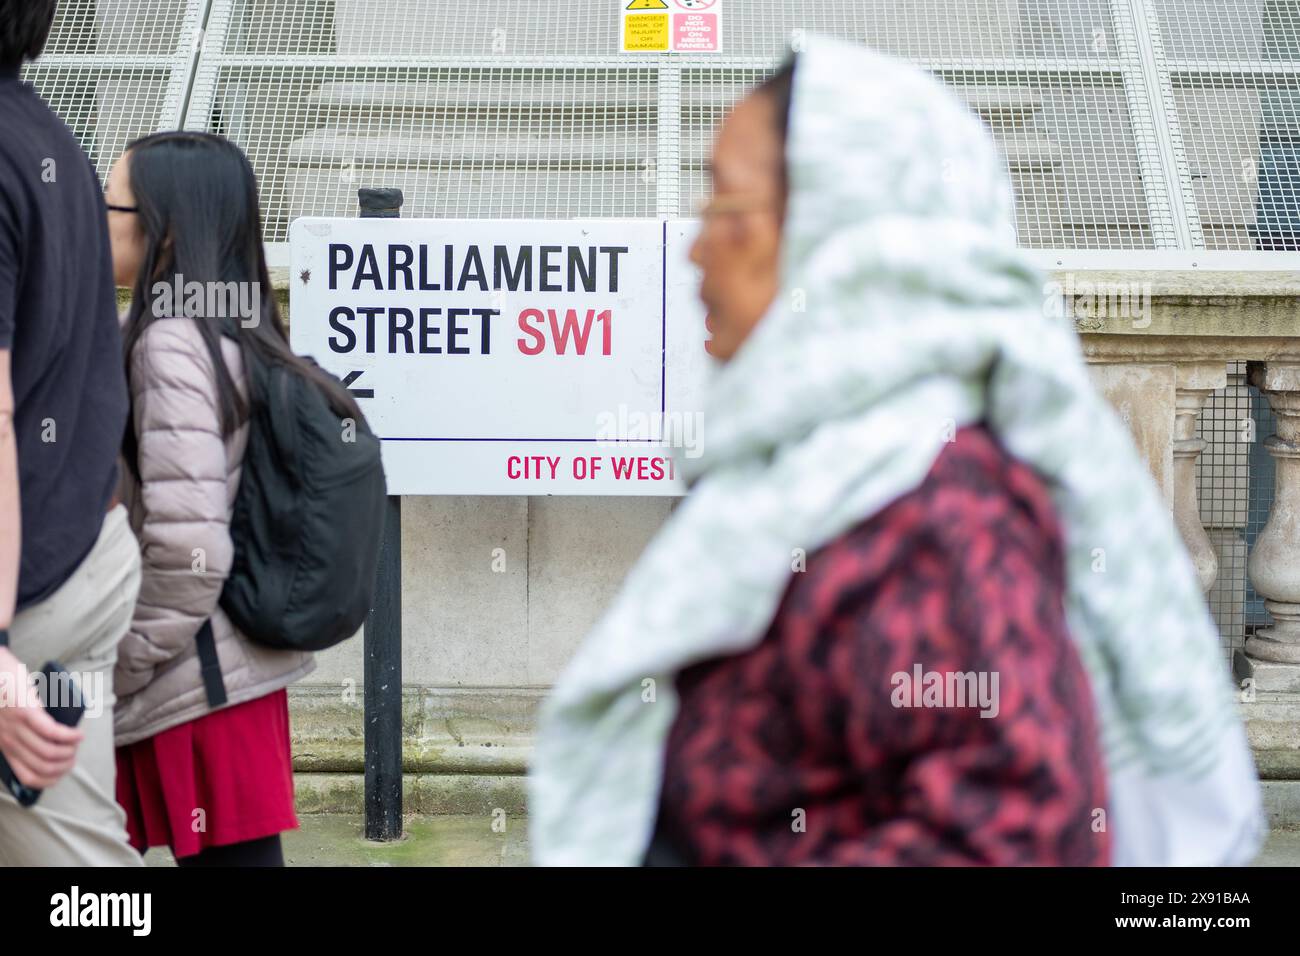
307	522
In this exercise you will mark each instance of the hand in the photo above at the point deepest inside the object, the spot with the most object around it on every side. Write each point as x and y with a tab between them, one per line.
39	749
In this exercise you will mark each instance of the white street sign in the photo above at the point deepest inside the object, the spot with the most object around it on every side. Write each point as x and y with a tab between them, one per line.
510	356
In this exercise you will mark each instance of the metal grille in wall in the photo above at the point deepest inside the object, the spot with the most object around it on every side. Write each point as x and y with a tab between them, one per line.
1234	477
116	69
1125	124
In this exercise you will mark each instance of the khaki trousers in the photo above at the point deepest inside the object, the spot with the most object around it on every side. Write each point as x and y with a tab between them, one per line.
78	822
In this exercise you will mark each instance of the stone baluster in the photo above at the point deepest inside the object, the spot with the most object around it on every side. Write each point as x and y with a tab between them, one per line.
1193	384
1274	564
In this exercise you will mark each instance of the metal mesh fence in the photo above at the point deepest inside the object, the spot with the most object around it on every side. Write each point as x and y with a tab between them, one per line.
472	142
1235	489
116	69
505	112
1234	67
1125	124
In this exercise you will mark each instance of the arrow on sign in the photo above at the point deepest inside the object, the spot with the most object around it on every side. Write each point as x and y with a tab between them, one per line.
358	392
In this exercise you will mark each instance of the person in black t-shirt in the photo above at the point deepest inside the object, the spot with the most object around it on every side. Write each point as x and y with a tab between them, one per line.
69	566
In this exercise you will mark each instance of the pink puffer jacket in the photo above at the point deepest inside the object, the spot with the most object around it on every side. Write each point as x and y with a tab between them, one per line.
180	512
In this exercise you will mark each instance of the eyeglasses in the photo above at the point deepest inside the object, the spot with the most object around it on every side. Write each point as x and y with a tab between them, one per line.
113	208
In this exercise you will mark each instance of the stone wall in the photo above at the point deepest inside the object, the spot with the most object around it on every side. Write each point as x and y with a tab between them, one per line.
480	646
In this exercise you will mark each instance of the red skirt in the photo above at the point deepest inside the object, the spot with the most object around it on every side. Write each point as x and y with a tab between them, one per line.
222	778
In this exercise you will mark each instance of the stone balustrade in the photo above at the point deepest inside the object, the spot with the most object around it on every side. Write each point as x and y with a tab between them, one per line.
1159	369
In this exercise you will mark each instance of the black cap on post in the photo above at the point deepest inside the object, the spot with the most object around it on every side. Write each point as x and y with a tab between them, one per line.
378	202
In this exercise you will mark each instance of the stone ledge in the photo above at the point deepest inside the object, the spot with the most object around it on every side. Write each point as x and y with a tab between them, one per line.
466	750
1273	730
1282	803
421	793
468	794
445	730
1278	765
1270	678
1200	287
473	730
439	757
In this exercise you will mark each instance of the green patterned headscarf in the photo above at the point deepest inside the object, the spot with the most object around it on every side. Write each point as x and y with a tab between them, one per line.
905	312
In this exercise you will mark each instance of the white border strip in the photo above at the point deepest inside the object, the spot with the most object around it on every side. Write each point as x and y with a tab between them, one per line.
1164	260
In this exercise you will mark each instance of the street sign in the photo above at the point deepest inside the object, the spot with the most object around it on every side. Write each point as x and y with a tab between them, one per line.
510	356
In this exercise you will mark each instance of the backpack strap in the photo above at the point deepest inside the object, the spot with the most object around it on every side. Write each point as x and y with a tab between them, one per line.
210	666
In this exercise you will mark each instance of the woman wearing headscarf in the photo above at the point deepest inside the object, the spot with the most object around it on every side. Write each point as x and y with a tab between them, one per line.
923	603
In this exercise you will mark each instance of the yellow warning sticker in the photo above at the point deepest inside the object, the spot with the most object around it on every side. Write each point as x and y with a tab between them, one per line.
645	31
647	5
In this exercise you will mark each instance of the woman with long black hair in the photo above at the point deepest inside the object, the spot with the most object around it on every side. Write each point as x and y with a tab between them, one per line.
214	784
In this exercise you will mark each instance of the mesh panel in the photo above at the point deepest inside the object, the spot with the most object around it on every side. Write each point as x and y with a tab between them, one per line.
1235	493
500	111
1235	70
1126	124
117	69
473	142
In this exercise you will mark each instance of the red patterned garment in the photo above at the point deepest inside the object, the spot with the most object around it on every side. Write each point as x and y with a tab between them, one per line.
799	751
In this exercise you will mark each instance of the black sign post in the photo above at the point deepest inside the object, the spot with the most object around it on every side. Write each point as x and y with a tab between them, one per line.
383	635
